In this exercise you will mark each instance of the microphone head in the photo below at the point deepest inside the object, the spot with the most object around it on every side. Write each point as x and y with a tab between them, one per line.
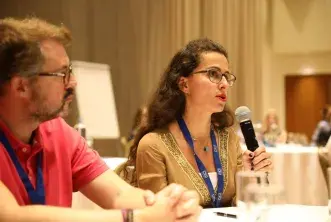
243	113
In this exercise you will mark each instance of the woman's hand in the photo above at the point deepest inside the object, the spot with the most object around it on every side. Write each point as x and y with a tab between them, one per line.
259	160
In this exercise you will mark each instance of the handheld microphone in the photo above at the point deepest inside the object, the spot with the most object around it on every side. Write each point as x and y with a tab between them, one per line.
243	115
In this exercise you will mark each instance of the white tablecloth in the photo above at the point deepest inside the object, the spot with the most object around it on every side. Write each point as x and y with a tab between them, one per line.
113	162
299	171
284	213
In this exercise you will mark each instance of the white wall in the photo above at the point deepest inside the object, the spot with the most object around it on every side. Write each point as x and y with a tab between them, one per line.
297	36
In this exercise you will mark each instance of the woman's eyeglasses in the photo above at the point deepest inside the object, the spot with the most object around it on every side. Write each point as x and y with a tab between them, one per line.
216	76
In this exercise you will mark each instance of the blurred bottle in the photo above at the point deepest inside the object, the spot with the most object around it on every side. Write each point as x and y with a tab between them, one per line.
81	128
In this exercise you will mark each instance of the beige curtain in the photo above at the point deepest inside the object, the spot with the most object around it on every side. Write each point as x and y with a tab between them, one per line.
163	26
137	38
237	24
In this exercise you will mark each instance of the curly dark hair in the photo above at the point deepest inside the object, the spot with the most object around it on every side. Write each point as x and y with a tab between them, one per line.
168	102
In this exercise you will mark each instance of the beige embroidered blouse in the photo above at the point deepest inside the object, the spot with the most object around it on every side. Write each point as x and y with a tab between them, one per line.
160	162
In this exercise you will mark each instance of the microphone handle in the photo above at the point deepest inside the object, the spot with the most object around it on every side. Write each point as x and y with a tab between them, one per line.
250	139
249	135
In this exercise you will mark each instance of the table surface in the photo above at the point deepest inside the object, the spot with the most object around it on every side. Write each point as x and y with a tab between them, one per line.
282	213
288	148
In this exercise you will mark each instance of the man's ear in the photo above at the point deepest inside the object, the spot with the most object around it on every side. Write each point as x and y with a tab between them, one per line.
183	85
20	85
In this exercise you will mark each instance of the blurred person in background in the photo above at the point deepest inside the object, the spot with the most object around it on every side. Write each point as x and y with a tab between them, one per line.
325	162
272	134
323	129
189	136
297	139
139	119
42	159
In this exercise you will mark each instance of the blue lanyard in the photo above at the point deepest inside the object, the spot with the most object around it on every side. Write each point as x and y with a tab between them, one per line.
216	198
37	196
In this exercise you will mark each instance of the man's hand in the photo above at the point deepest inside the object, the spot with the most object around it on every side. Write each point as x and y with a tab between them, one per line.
172	204
149	197
187	204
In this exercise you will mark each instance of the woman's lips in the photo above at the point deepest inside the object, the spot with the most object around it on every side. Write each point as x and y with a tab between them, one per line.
221	97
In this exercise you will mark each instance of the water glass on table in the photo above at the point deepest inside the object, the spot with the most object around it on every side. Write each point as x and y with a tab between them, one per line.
264	202
255	196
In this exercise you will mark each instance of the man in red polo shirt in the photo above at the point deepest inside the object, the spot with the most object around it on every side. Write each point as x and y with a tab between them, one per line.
42	159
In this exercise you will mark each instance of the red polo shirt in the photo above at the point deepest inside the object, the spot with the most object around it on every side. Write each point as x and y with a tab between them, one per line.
68	163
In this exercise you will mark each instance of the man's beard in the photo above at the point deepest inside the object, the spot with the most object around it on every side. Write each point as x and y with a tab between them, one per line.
44	114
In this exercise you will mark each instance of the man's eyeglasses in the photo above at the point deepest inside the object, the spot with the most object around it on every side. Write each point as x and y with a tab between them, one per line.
66	74
216	76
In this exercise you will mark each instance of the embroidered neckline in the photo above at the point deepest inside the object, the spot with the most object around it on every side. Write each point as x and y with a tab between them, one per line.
222	140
